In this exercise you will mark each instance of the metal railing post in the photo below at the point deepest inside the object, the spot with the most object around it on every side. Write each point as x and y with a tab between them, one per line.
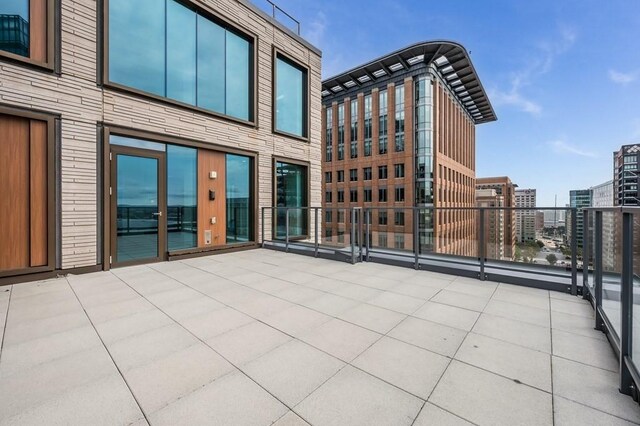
360	234
353	236
416	237
574	254
586	253
315	252
481	243
262	225
286	232
367	220
597	270
626	303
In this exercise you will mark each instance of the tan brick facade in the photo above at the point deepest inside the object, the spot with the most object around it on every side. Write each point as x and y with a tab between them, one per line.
82	104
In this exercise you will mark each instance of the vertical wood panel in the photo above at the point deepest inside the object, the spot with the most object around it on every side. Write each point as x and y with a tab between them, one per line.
14	192
38	193
38	30
211	161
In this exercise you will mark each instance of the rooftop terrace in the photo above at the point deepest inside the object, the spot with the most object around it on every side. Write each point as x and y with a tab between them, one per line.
263	337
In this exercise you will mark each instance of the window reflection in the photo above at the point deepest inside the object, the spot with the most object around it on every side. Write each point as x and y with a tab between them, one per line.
14	26
183	56
238	194
290	98
291	191
182	197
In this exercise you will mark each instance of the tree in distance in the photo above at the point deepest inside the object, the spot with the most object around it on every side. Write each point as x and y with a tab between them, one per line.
552	259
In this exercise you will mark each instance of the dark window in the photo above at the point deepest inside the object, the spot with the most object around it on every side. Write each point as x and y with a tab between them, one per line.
291	191
399	241
328	196
329	135
328	216
175	52
340	175
367	195
399	170
340	196
328	233
383	123
353	175
354	128
353	196
367	173
291	97
341	132
382	195
399	193
382	172
399	146
382	218
399	218
328	176
368	131
238	196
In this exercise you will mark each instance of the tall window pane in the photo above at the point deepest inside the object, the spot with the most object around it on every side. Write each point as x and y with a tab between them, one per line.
211	65
137	44
237	72
182	196
14	26
181	53
238	195
291	191
290	98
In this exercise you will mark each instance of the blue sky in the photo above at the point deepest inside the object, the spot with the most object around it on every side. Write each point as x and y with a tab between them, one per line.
562	75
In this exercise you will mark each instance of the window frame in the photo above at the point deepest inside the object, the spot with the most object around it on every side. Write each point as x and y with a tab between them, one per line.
210	14
274	182
52	36
52	198
306	105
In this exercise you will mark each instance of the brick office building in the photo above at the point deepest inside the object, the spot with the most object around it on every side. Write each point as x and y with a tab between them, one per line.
399	132
507	189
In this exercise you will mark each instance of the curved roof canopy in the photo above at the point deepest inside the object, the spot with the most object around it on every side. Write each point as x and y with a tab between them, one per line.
450	59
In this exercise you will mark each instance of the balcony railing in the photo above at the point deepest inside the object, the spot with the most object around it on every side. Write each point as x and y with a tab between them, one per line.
601	262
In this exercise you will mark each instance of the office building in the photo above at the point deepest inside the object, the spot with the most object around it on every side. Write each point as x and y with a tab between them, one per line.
503	186
579	199
602	196
526	215
156	147
626	171
399	132
494	223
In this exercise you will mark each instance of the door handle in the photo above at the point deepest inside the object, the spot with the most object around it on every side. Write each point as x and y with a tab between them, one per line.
157	214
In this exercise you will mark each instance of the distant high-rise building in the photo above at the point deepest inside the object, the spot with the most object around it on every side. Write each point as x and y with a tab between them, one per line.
626	171
539	221
503	186
526	219
494	218
580	199
14	34
602	196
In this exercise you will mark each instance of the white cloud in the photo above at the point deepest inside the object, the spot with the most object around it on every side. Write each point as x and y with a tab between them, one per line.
315	30
546	53
622	77
560	146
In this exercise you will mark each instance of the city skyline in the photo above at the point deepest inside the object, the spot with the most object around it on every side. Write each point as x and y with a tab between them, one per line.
544	81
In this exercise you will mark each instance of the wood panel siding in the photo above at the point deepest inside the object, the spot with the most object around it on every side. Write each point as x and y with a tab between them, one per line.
209	161
14	193
38	193
38	30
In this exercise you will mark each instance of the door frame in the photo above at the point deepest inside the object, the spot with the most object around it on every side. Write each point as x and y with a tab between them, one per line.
116	150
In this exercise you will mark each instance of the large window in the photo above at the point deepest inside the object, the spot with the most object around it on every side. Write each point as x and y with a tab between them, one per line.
329	135
167	49
341	132
382	123
182	197
290	97
399	146
368	132
354	129
291	191
24	31
238	195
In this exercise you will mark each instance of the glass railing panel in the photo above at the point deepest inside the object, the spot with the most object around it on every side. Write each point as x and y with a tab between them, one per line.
336	227
612	267
390	230
635	324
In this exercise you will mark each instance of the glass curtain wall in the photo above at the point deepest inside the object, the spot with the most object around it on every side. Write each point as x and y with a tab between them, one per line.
291	191
14	26
368	132
424	159
291	95
383	123
341	132
167	49
354	129
238	195
329	135
399	110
